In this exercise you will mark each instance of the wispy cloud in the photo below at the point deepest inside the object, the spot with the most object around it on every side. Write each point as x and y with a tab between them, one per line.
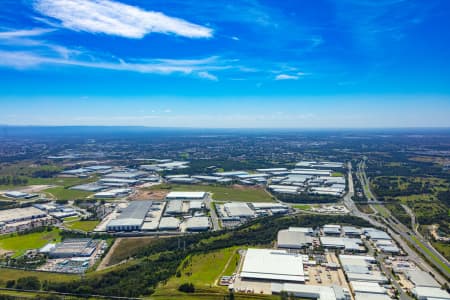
208	76
286	77
24	33
114	18
27	59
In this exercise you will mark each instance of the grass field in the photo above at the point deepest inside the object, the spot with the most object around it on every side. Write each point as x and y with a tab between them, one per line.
12	274
60	181
127	247
430	254
198	270
383	211
224	193
302	206
20	243
337	174
62	193
443	248
82	225
232	264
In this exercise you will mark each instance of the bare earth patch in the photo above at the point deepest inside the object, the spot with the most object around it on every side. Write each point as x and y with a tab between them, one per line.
150	195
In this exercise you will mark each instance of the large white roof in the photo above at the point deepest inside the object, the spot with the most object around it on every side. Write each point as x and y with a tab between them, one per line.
15	214
367	287
186	195
273	265
423	292
238	209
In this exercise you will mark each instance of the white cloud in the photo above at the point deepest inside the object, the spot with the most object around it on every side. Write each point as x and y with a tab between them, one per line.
208	76
235	38
114	18
194	67
24	33
286	77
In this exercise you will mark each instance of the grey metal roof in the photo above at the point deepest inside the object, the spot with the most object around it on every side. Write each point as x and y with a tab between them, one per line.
136	210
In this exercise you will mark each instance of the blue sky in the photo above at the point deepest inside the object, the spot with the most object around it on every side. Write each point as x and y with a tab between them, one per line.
249	63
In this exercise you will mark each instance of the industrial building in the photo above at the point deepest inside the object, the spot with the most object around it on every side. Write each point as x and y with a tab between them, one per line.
272	265
127	175
232	174
114	193
347	244
174	208
263	208
421	278
131	218
331	230
15	194
293	239
375	234
318	292
20	214
306	230
361	268
169	223
197	224
21	219
430	293
186	196
351	231
183	180
73	248
89	187
368	289
238	209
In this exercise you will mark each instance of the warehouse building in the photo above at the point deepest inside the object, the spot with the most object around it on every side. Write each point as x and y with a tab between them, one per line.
272	207
169	223
183	180
312	172
347	244
332	230
186	196
302	291
421	278
351	231
367	288
375	234
272	265
127	175
131	218
293	239
89	187
306	230
232	174
174	207
74	248
118	182
238	209
15	194
207	178
114	193
197	224
430	293
361	268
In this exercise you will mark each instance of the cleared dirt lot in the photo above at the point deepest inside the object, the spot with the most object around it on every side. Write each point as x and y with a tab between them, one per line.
150	194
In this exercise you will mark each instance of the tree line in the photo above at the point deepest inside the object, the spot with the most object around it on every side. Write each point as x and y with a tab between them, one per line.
160	260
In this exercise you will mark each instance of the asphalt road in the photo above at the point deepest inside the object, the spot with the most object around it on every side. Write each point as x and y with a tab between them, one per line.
213	213
399	238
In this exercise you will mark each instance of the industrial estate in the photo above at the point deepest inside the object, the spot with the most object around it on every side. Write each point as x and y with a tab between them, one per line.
300	228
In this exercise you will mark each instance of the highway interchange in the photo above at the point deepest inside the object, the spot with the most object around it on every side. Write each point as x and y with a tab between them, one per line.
399	232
